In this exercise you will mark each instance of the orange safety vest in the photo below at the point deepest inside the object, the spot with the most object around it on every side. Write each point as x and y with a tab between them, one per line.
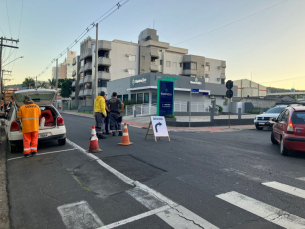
29	114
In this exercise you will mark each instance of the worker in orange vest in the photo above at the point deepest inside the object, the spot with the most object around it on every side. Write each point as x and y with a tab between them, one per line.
29	114
2	105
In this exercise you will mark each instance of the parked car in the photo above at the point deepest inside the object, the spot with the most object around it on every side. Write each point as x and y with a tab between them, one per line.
289	130
54	127
265	119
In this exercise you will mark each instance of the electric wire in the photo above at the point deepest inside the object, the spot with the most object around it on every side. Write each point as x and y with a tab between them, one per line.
91	26
231	22
8	18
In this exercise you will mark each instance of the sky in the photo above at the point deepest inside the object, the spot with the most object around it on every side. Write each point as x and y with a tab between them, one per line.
270	43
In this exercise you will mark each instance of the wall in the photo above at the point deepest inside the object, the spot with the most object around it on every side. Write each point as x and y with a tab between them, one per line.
119	86
249	88
172	57
214	72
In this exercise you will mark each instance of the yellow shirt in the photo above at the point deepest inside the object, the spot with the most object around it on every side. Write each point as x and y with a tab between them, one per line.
100	105
29	114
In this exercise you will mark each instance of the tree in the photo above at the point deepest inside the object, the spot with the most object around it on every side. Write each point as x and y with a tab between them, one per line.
66	87
29	82
42	85
52	83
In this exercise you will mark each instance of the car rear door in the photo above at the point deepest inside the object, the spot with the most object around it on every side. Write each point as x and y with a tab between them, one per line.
298	121
278	127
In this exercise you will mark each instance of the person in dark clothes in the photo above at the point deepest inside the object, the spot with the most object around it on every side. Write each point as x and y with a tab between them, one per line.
115	113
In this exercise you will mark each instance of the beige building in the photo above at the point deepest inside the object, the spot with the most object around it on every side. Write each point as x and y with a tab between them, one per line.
65	69
248	88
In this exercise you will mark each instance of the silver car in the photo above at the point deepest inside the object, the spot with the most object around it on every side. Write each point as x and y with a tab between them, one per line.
265	119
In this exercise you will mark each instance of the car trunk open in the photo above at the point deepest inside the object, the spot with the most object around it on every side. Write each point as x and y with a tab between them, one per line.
41	97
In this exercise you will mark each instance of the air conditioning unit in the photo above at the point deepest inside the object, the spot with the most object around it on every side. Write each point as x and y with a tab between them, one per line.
126	70
207	63
218	79
207	76
218	67
127	55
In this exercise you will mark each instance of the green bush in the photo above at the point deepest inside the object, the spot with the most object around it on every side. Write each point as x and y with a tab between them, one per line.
170	116
132	102
220	109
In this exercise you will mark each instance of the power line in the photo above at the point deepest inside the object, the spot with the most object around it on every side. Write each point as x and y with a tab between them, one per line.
92	25
232	22
8	56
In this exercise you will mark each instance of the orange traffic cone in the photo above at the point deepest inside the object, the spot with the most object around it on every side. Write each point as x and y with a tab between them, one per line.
125	137
93	147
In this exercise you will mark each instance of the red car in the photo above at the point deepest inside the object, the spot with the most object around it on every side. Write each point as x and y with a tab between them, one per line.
289	130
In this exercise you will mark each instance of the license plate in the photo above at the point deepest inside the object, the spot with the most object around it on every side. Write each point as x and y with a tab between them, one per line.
261	123
43	135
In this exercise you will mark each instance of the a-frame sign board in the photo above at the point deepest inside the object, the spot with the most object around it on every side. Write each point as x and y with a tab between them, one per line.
158	126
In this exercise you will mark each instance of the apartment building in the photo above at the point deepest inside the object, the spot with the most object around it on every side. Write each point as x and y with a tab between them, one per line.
65	69
122	59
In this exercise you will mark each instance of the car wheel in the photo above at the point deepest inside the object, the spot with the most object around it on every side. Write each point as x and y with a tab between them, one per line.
11	147
273	139
62	142
283	150
259	127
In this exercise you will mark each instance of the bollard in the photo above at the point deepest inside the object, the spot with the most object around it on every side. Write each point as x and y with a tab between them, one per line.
212	112
134	113
239	113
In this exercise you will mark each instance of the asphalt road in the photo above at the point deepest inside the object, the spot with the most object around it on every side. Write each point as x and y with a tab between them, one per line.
229	180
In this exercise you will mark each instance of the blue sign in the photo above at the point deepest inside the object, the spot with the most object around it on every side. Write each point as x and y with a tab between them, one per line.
165	102
205	93
195	90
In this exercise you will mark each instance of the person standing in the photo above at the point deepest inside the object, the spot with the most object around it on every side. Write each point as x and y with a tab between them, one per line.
107	120
100	114
29	115
115	113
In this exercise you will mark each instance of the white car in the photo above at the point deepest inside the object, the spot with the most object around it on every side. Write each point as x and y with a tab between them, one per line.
265	119
53	130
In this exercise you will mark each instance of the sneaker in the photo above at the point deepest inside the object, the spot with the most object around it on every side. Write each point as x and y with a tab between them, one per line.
34	153
120	133
113	134
26	155
101	137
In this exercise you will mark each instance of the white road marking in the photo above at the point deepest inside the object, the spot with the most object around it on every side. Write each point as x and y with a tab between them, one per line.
134	218
79	216
38	154
184	214
286	188
268	212
241	173
301	178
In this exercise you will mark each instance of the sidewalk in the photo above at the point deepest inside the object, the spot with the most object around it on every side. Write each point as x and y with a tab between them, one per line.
142	122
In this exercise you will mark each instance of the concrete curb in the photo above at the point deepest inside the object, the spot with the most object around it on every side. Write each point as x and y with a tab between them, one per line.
4	207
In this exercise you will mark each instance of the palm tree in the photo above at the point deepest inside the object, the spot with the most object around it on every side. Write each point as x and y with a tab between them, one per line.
29	82
52	83
42	85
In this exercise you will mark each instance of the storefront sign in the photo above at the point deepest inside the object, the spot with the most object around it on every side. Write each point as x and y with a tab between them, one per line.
196	81
134	81
167	78
165	101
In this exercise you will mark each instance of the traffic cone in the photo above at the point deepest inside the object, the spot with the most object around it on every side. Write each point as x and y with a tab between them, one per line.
93	147
125	137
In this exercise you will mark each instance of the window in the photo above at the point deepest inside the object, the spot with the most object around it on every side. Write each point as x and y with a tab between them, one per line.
161	62
142	71
132	58
120	97
160	50
143	57
131	71
168	64
10	114
154	98
202	66
180	65
146	97
275	110
298	117
133	97
207	80
102	83
194	66
174	64
222	81
186	66
140	97
125	97
207	68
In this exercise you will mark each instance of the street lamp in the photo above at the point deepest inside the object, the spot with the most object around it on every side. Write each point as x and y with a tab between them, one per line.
13	61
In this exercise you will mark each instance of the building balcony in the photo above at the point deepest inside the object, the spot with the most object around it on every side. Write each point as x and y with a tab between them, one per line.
104	45
74	73
154	67
88	67
223	64
86	53
74	61
73	84
88	79
81	81
104	75
87	92
188	72
81	70
73	95
222	76
81	93
154	53
104	61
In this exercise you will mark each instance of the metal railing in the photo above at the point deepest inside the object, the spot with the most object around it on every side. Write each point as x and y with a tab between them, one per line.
140	109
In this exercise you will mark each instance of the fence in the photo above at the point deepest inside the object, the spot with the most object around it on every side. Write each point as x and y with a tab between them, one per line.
140	109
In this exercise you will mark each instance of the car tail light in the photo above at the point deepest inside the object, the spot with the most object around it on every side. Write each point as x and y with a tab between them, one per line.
15	126
290	128
60	121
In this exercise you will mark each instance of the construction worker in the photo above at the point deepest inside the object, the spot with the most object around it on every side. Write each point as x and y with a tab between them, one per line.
100	114
29	115
115	113
2	105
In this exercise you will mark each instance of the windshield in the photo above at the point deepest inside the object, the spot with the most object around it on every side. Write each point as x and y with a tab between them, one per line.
298	117
275	110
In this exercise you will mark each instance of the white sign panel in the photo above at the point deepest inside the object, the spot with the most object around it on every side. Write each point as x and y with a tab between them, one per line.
159	126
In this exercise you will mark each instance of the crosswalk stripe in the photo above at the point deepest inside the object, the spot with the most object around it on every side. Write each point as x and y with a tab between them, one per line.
268	212
301	178
286	188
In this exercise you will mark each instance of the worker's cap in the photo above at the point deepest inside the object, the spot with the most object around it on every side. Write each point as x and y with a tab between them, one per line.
27	100
102	93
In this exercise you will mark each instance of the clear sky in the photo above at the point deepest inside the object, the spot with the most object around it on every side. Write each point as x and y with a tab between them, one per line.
270	43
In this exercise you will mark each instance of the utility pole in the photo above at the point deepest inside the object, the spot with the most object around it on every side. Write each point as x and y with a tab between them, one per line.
1	50
56	75
96	65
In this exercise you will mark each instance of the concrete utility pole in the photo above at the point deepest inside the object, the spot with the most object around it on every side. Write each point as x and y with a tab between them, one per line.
36	82
56	75
96	65
1	49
